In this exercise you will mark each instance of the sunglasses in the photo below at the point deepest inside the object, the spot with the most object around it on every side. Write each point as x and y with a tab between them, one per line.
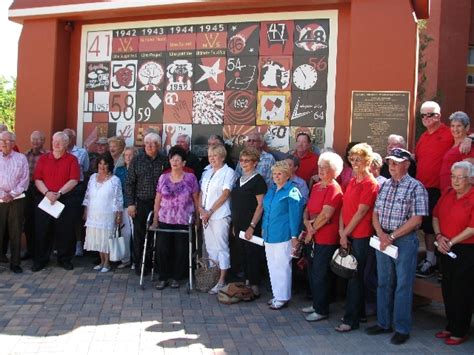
432	114
245	160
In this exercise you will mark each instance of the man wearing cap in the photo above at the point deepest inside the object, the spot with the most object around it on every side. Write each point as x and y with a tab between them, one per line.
400	206
429	152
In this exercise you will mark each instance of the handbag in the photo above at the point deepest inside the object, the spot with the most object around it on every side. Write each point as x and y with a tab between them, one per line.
117	245
343	263
206	276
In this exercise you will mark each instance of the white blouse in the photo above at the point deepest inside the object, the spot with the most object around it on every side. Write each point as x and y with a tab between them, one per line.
212	187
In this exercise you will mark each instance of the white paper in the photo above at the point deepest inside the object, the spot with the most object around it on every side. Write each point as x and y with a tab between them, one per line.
16	198
254	239
54	210
390	250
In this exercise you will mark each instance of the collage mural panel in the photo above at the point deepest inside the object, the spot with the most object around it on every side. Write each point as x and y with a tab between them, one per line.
217	78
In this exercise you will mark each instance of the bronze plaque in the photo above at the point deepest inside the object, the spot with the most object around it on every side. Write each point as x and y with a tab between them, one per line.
377	114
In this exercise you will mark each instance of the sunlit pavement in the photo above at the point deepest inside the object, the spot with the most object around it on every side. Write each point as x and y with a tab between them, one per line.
84	312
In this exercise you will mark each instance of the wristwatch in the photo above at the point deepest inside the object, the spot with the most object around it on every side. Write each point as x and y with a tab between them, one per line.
391	237
60	193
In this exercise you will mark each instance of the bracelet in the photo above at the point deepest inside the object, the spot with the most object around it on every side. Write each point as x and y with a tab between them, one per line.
252	225
46	192
391	237
450	243
253	228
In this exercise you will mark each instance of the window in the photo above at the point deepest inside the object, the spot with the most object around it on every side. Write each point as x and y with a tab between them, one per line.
470	67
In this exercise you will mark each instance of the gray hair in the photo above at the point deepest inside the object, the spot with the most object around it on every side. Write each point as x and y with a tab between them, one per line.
11	135
186	137
431	104
41	134
63	135
377	160
333	160
467	166
460	116
295	159
154	137
399	139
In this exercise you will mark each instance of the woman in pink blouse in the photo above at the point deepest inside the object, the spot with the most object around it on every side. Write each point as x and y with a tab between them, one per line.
176	200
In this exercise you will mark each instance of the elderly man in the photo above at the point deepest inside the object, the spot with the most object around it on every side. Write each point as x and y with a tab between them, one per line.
308	159
294	164
429	152
80	190
14	179
192	161
101	146
400	206
396	141
140	191
255	140
212	141
56	175
37	140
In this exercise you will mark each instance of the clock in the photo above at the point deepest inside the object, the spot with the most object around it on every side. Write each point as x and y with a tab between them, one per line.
305	77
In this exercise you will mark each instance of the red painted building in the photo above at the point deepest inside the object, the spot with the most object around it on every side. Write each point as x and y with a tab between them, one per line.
79	66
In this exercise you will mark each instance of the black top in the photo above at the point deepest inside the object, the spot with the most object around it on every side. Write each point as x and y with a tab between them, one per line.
244	203
411	170
192	161
142	177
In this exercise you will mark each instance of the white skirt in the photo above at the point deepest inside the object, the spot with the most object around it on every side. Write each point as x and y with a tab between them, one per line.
97	239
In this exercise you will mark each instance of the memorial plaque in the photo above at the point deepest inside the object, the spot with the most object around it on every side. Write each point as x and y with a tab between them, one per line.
377	114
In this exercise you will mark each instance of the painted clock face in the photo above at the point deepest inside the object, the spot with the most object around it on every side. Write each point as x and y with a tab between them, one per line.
305	77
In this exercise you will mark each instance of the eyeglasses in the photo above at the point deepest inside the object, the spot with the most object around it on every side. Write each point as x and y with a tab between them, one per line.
431	114
253	140
355	160
458	178
245	160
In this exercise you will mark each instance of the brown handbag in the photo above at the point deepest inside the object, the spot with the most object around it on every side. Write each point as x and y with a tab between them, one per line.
206	276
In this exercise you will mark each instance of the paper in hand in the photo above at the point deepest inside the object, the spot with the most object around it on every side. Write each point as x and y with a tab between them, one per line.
254	239
390	250
53	210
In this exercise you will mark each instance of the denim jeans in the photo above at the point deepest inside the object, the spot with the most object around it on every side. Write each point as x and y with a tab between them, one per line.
319	280
355	295
395	289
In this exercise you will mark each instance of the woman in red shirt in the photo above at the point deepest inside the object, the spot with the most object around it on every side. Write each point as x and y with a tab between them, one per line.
321	218
355	229
453	223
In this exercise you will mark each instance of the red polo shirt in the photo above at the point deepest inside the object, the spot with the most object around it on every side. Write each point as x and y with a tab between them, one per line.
429	152
308	165
455	214
452	156
330	195
357	193
56	172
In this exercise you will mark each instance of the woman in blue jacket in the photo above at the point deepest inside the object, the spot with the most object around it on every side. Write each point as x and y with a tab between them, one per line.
283	208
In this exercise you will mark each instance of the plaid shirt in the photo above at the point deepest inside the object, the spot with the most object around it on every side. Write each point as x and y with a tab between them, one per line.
399	201
142	177
32	158
264	167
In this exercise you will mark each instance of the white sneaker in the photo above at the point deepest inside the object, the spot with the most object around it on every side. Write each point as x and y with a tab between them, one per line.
98	267
215	290
309	309
105	269
315	317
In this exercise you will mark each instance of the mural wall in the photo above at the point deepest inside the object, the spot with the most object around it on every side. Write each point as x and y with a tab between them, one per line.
227	78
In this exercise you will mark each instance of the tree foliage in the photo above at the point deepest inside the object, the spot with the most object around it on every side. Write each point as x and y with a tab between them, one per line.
7	101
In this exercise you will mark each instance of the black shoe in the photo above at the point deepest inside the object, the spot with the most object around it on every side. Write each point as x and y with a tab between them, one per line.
67	265
399	338
37	267
376	330
3	258
16	269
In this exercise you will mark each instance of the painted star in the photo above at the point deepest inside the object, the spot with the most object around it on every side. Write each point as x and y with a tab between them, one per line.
210	72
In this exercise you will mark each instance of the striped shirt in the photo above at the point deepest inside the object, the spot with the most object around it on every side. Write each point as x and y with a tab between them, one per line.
14	174
32	158
398	201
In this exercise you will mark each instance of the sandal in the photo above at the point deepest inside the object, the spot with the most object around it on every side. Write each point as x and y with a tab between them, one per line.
343	328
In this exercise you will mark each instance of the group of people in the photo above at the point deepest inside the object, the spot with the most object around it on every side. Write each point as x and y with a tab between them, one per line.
318	199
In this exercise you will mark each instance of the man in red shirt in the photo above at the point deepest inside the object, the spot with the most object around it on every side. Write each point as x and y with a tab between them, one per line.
56	176
429	152
308	160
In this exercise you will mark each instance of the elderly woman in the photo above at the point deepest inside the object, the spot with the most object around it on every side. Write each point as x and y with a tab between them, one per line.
103	209
321	218
176	200
116	147
376	167
283	205
355	229
247	208
460	124
121	172
453	223
214	209
294	163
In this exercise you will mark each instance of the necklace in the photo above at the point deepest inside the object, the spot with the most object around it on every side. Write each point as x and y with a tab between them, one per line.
245	178
102	179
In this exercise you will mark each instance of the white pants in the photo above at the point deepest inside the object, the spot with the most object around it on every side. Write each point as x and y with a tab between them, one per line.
279	267
216	237
127	234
